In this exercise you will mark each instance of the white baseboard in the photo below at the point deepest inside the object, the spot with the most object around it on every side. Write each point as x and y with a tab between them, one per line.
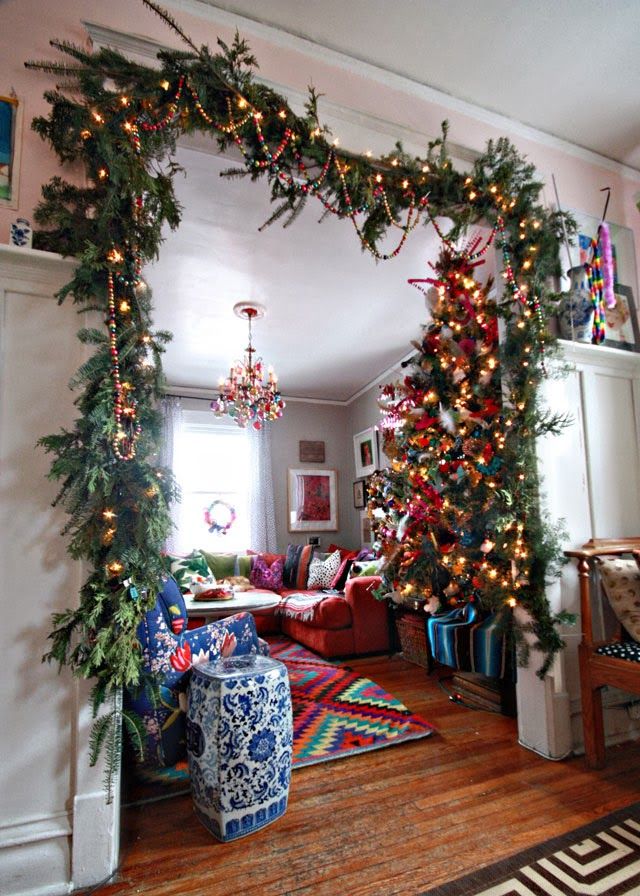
35	857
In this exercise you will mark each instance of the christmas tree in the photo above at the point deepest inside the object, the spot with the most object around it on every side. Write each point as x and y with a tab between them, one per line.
457	512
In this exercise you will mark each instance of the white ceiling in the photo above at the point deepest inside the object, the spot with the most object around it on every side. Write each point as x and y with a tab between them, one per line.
336	319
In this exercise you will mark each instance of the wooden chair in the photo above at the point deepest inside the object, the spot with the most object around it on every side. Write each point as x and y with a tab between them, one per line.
596	668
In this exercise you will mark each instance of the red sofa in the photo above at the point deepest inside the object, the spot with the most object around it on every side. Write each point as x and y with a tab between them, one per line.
348	624
333	625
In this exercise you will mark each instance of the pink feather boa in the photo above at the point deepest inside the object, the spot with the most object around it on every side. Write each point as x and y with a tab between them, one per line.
607	265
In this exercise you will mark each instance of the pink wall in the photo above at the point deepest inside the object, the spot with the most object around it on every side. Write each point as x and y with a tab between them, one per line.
28	25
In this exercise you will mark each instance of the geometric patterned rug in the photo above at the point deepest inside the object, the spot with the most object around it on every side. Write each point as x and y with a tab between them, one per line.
601	858
337	713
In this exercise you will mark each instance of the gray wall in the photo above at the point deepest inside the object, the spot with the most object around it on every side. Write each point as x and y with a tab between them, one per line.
306	421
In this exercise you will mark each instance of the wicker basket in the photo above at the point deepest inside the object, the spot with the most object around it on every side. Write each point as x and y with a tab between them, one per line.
412	634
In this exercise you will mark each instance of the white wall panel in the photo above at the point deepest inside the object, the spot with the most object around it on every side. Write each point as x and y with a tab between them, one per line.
43	734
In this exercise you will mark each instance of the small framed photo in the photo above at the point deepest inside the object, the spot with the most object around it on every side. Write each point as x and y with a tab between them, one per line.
10	145
366	535
359	494
313	500
311	452
365	450
621	321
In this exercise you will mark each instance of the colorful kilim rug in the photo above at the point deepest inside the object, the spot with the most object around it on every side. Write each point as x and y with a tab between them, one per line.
602	858
336	713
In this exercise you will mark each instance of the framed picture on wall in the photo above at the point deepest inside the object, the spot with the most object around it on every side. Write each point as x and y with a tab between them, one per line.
359	494
313	500
365	451
366	534
621	321
311	452
10	131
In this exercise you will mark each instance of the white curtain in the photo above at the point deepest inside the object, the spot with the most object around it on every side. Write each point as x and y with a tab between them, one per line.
262	517
171	408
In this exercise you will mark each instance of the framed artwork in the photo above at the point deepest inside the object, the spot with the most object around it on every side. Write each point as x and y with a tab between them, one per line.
10	130
622	321
359	494
366	534
313	500
311	452
365	450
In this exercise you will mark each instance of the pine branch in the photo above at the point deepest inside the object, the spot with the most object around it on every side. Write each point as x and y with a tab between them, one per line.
170	22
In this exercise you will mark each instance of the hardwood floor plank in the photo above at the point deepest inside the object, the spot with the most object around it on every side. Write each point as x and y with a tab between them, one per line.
391	822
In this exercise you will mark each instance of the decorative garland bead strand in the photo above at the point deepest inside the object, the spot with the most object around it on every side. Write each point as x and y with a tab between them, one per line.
123	445
171	114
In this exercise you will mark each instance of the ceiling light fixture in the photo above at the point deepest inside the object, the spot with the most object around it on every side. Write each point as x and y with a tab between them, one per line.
243	395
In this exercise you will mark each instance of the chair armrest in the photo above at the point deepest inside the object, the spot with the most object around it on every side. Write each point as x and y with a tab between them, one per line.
586	557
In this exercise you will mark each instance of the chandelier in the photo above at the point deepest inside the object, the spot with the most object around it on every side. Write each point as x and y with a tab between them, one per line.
243	395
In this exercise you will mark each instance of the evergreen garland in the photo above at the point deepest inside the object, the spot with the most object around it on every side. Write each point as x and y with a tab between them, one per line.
119	120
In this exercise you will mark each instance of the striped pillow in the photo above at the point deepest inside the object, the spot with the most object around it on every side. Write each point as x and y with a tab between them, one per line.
296	565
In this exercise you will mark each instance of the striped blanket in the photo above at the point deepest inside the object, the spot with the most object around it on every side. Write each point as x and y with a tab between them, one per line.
300	605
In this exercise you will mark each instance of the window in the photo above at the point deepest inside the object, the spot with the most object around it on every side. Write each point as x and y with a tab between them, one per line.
211	463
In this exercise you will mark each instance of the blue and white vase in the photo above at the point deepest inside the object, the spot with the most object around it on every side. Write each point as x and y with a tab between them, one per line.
21	233
239	743
575	315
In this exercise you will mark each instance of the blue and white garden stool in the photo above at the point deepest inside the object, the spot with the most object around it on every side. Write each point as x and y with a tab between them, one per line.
239	742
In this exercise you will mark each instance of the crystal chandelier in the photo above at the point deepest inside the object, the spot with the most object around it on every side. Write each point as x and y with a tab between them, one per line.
243	395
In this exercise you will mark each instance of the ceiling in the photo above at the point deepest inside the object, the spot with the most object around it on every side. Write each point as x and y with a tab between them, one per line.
336	319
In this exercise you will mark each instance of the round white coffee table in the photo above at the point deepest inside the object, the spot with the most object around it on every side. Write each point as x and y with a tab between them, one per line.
243	601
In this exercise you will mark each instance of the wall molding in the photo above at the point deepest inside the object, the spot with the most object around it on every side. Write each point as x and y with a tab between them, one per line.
35	830
19	266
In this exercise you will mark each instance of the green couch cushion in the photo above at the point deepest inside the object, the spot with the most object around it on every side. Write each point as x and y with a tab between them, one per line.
229	564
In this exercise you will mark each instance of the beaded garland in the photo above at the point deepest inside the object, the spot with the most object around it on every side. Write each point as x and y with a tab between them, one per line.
593	270
124	444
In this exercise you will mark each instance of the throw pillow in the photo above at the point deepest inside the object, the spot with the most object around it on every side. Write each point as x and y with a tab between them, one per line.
221	565
365	568
322	571
340	578
621	582
266	576
296	566
184	569
366	554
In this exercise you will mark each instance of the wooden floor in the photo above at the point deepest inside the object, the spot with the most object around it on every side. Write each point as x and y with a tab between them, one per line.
392	822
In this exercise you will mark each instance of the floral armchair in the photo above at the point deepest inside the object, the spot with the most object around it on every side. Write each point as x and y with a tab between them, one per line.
168	653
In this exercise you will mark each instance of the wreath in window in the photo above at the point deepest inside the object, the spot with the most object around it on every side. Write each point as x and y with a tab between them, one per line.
219	517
